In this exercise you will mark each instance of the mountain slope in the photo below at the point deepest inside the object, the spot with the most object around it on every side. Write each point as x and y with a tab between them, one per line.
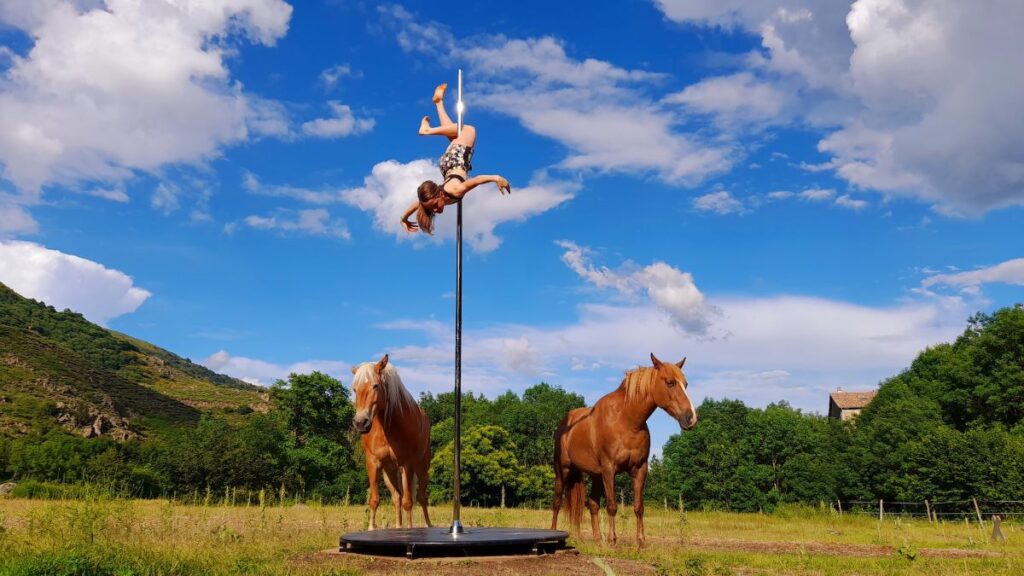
59	367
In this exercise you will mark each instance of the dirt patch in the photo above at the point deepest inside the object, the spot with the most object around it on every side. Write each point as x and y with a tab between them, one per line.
562	563
571	563
956	553
826	548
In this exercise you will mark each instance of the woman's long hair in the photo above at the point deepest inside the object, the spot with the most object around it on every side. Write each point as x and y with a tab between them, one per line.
427	192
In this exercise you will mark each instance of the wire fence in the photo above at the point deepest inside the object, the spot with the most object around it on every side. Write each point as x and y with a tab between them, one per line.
971	509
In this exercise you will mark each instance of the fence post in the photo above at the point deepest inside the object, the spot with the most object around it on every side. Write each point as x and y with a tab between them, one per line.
881	509
997	533
928	510
977	511
839	504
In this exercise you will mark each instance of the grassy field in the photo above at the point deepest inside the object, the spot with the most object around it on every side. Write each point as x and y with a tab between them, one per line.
123	537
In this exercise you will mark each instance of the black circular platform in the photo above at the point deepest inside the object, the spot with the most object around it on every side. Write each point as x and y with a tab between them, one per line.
440	542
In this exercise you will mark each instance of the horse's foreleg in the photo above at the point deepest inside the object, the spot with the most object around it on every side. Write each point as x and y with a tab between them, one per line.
639	477
372	471
392	482
408	488
422	478
594	505
608	479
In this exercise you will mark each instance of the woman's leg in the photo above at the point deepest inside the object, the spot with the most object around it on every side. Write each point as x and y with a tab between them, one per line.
447	128
468	135
442	114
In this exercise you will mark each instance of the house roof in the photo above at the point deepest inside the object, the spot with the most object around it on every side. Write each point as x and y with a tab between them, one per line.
852	400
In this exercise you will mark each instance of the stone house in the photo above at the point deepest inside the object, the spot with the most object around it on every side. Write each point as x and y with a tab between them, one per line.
846	405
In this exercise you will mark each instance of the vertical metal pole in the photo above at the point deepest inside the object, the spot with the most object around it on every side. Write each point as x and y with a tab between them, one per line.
456	489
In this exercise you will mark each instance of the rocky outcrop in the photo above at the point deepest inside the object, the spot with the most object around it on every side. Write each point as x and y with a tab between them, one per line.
12	361
93	421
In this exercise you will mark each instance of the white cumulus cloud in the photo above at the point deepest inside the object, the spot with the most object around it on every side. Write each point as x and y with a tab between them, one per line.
330	76
263	373
600	112
66	281
720	202
14	219
165	197
740	97
314	222
252	184
846	201
1008	272
112	87
341	123
818	194
919	89
668	288
768	348
391	188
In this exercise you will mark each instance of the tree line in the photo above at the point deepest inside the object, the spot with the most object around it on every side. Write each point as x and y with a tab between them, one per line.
949	427
305	446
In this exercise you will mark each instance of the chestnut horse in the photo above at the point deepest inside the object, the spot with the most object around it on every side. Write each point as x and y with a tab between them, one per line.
612	437
396	438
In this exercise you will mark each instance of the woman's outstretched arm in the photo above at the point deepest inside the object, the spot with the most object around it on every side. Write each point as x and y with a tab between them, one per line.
410	226
459	189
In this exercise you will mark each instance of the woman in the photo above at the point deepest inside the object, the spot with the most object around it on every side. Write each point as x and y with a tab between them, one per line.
455	166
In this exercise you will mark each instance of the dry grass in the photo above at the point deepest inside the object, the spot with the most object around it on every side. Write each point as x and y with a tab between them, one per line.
102	536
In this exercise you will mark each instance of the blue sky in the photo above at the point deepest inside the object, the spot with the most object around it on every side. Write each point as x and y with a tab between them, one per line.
795	195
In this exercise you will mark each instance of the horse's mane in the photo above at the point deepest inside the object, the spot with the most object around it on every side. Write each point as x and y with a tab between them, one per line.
639	382
397	398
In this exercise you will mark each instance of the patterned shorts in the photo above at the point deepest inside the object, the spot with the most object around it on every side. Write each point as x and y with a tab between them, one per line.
457	157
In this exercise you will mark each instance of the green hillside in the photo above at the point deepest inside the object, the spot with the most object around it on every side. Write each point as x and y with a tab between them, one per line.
58	366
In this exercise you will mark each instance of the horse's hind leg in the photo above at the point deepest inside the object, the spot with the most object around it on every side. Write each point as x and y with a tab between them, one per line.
556	503
594	505
608	478
391	480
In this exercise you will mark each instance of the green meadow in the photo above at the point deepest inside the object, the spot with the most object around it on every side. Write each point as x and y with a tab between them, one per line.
103	536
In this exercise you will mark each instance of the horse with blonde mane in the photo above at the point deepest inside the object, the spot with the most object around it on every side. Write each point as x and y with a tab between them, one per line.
396	438
611	438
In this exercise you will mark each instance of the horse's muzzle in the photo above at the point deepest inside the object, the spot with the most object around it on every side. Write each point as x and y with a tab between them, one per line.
362	423
688	421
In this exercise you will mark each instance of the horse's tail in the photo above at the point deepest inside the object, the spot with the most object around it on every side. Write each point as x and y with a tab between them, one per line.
576	499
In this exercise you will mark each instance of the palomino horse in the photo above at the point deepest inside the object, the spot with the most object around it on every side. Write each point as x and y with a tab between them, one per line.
612	437
396	438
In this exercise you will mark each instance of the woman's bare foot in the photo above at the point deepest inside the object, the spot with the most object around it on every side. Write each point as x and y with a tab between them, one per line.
425	126
439	93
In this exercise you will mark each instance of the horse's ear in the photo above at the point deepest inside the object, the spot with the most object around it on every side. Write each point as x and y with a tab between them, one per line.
382	364
354	369
654	360
681	362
